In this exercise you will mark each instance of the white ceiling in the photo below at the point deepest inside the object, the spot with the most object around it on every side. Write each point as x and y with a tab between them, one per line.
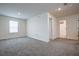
66	10
29	10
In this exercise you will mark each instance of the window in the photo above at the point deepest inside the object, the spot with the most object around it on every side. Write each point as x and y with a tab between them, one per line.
13	26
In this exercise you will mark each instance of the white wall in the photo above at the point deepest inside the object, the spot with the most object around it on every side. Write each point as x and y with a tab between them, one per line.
37	27
4	27
71	27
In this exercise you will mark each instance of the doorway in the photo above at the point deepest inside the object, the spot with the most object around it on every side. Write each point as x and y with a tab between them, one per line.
50	28
62	28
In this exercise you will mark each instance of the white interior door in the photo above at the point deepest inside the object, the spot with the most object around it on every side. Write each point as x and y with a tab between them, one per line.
62	28
50	28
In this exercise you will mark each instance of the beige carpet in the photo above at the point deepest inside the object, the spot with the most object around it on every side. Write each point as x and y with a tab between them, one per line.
31	47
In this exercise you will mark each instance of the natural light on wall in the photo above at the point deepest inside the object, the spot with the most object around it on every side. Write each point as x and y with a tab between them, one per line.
13	26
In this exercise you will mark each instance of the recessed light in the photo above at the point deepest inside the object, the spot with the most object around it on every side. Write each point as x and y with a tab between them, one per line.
59	9
19	13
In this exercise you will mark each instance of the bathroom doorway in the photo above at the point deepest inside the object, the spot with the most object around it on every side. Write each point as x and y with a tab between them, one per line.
62	28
